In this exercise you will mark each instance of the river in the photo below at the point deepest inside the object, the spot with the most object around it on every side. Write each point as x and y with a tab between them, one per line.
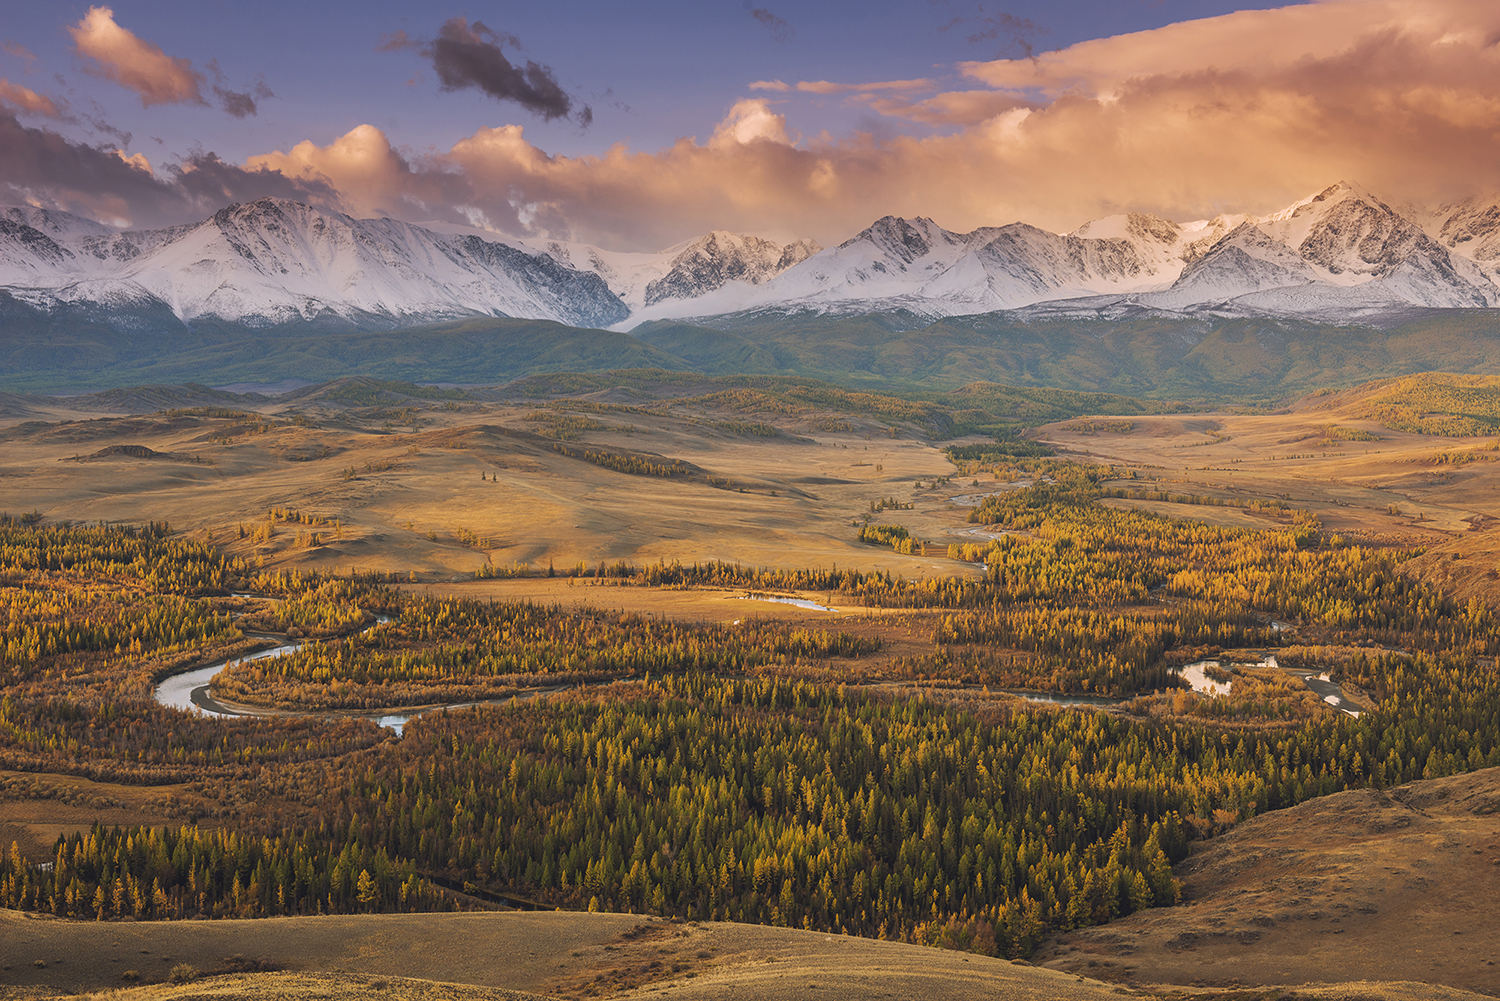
190	691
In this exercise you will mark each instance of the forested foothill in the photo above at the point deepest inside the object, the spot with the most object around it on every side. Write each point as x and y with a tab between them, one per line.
763	771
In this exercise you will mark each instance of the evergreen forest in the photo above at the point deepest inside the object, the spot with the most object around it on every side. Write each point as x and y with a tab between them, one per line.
883	775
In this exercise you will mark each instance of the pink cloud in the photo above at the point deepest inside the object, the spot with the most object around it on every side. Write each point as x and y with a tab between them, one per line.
1260	43
961	107
21	52
1241	113
1412	114
26	100
134	63
826	87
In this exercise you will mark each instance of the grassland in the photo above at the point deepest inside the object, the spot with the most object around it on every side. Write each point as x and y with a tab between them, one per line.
1330	454
437	483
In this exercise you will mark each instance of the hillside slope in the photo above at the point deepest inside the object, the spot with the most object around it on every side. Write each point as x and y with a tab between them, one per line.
488	956
1395	884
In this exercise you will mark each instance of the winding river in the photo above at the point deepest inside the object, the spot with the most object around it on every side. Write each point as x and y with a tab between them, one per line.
190	691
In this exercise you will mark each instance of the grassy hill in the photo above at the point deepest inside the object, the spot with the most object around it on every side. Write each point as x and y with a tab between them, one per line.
1206	360
1252	360
41	357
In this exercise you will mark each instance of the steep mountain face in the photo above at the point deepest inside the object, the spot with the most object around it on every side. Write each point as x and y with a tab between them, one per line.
716	273
24	249
1245	260
274	261
918	265
709	264
1470	230
1340	254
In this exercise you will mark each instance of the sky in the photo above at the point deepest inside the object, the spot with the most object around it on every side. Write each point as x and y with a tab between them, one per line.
638	126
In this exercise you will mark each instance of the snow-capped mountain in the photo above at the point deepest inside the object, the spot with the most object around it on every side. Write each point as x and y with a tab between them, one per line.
275	261
720	258
716	272
1340	254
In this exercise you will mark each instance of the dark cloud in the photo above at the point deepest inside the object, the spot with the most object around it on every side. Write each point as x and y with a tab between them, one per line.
240	104
206	184
235	103
1014	36
468	55
96	123
41	166
779	29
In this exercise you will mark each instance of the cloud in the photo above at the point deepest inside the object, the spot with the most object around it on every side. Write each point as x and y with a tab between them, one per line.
466	56
133	63
1264	44
396	41
21	52
39	166
826	87
239	104
374	179
780	86
119	55
961	107
1241	113
26	100
750	120
138	160
1015	35
779	29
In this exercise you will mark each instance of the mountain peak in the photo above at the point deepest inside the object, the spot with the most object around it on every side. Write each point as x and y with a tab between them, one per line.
275	260
721	257
1137	227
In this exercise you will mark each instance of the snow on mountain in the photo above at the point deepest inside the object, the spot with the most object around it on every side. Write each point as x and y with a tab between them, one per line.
60	226
709	264
1338	254
275	261
26	251
1351	238
1296	261
1245	260
714	273
626	273
918	265
1469	230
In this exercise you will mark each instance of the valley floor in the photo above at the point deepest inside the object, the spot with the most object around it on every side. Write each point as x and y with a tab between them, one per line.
1365	894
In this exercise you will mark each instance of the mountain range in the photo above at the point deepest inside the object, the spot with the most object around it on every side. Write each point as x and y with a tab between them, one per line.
1340	255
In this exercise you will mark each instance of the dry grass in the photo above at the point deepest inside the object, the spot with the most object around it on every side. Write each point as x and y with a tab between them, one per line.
411	499
1403	487
1365	885
36	808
